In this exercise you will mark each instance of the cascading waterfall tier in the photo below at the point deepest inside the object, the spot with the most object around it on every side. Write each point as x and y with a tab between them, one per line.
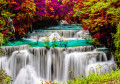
100	67
7	51
58	64
65	34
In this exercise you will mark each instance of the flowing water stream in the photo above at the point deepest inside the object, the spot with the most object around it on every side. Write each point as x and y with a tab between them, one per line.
31	65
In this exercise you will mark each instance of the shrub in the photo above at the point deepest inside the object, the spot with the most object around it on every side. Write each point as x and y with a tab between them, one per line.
4	78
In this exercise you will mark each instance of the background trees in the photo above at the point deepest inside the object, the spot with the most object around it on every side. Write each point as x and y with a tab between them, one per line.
101	19
6	25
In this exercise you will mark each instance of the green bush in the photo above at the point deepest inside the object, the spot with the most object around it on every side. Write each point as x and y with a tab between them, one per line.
47	40
117	42
108	78
4	78
55	42
1	41
105	78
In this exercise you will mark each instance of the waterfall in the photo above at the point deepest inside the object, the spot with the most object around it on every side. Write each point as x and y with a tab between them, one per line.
64	33
27	75
77	62
54	64
100	67
32	65
3	62
17	61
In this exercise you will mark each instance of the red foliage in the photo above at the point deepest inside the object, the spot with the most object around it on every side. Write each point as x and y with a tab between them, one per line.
5	31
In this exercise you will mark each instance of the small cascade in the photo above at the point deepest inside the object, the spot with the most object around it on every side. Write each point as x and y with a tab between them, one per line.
78	61
31	65
27	75
10	49
41	35
51	37
17	61
61	31
100	67
48	63
83	35
67	36
64	33
7	51
3	62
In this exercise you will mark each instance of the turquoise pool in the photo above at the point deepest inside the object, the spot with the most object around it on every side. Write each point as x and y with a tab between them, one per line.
57	29
38	33
71	43
68	25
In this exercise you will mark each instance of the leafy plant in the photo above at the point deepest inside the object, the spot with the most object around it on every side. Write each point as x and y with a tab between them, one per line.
117	42
55	42
4	78
5	20
1	42
47	42
1	39
112	77
7	14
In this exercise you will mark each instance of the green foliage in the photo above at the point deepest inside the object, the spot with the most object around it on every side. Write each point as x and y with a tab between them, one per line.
47	42
55	42
109	78
99	6
1	39
1	22
117	42
1	42
100	18
5	24
7	14
4	78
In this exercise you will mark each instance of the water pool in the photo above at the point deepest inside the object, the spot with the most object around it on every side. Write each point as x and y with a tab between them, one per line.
70	43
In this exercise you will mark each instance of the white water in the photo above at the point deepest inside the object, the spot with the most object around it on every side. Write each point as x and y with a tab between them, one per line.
17	61
106	67
3	62
60	35
27	75
35	64
28	65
